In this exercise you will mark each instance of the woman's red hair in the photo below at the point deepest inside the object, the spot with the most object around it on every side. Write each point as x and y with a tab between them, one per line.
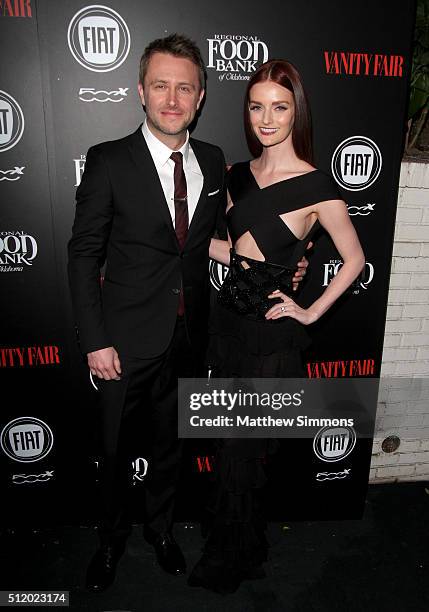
285	74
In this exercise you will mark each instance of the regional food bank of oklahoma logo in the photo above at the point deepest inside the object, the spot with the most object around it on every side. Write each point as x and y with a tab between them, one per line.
236	56
356	163
11	122
26	439
98	38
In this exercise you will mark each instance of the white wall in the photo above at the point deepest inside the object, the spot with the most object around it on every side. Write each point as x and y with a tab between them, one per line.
403	408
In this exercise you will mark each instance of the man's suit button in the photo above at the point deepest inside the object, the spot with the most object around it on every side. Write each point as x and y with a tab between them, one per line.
176	291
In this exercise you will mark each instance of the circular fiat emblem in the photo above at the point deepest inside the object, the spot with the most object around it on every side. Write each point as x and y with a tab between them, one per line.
98	38
26	439
356	163
11	121
334	443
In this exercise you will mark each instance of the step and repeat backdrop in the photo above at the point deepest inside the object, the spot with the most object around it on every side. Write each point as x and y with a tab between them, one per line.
69	80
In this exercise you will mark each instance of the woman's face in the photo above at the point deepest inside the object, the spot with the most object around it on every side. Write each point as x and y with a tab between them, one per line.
271	112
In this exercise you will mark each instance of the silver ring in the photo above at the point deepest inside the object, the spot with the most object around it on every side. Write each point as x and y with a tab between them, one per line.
282	308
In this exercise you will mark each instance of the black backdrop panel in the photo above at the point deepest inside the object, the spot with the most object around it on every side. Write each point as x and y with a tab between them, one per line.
76	85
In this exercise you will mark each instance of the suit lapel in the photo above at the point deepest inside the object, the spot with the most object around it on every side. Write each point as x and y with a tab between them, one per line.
151	185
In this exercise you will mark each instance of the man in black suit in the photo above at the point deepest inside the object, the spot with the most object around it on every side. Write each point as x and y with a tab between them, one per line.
150	217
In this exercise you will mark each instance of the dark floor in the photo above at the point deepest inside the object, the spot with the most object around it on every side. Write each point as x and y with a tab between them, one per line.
379	564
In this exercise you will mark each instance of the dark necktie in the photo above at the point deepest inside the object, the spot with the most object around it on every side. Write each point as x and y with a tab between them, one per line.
181	218
180	199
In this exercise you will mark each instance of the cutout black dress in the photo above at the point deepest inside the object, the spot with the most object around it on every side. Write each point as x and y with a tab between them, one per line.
246	345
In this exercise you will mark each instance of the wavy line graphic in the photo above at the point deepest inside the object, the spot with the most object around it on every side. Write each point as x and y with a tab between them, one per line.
16	173
122	91
26	478
363	211
321	476
97	100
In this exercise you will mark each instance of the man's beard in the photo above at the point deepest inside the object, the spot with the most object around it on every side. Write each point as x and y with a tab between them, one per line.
166	130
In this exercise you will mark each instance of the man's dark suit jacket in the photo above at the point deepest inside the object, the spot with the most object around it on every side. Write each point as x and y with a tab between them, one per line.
122	218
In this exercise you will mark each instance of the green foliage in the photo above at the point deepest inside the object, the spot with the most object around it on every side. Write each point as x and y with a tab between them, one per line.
419	86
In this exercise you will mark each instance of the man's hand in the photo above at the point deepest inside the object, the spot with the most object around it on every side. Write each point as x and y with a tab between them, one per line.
105	364
301	271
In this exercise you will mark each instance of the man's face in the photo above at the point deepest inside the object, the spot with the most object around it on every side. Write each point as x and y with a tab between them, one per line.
171	94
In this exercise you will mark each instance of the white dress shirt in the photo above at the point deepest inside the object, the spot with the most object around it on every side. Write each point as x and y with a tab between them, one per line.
165	168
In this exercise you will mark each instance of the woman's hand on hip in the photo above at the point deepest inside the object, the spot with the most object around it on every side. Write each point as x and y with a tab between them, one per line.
288	308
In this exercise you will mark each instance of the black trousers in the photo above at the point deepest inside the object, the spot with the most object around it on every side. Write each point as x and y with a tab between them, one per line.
150	387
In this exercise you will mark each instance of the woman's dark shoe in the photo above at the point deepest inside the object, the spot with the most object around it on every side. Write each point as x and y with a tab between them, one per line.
102	568
215	578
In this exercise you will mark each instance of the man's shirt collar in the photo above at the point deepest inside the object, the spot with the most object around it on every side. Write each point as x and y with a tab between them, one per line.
159	151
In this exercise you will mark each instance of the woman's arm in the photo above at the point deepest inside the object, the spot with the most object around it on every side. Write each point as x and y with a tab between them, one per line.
219	250
334	217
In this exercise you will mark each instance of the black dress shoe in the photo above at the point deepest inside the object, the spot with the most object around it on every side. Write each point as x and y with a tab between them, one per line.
102	568
168	553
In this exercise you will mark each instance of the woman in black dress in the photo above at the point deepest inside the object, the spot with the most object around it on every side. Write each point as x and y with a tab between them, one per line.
276	203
